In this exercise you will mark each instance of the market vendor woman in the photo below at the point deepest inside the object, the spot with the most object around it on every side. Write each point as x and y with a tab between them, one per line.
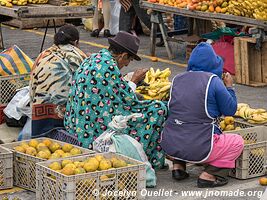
51	77
99	92
190	134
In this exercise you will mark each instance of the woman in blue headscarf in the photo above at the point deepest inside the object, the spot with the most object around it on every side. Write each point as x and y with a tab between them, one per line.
198	97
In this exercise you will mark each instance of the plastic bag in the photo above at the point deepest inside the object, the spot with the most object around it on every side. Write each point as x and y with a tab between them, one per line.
115	17
113	140
216	35
19	105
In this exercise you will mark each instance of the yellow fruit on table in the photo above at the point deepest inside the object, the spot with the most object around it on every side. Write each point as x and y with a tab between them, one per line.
54	156
47	142
43	154
66	155
55	166
78	164
119	163
20	149
67	171
67	147
59	152
41	146
54	146
99	157
33	143
229	120
91	165
65	162
104	164
238	128
75	151
79	170
104	178
31	151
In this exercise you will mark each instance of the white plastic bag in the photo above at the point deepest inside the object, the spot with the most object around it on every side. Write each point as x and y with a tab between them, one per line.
115	17
19	105
113	140
104	142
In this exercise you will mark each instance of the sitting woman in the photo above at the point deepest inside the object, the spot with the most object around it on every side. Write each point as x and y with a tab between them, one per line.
51	78
99	92
191	134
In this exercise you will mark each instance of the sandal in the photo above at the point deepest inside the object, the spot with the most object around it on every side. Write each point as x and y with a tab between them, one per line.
220	181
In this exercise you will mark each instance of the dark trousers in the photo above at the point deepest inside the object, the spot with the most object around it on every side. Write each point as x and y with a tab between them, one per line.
127	18
215	171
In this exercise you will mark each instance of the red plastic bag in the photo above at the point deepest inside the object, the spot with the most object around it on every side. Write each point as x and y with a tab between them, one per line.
225	48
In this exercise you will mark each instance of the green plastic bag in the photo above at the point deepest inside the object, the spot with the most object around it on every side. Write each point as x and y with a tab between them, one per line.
217	34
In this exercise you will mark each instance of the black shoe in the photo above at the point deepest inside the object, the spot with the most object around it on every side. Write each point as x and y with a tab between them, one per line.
220	181
107	33
179	174
95	33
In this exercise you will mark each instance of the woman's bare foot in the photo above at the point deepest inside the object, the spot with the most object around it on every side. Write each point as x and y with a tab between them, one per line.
207	176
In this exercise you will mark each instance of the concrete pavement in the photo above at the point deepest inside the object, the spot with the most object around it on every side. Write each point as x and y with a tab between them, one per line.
30	40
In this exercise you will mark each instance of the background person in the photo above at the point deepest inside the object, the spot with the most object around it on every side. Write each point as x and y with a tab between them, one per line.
51	77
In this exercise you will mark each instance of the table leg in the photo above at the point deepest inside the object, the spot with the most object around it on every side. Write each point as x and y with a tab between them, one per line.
54	24
153	38
1	38
164	35
44	35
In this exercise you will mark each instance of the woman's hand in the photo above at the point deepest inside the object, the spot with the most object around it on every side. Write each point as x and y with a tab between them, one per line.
228	80
139	75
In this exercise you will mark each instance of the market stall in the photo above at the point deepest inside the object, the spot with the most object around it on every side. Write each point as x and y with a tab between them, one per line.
47	11
157	9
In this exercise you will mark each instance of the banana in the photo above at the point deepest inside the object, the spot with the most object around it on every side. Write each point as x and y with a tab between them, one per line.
159	85
165	88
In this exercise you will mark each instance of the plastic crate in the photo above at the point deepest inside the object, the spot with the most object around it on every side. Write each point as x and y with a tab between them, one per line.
6	168
2	116
252	161
9	85
62	135
82	186
24	164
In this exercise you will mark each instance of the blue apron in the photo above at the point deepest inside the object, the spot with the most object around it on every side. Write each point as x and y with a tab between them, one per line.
188	131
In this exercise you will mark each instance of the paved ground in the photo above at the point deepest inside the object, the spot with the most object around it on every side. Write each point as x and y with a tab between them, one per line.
30	40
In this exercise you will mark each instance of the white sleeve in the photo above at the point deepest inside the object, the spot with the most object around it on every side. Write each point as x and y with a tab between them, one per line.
132	85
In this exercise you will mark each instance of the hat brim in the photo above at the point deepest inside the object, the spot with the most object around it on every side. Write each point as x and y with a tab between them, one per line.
114	43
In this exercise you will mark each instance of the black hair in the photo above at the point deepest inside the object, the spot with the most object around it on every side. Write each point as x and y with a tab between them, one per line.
116	49
67	34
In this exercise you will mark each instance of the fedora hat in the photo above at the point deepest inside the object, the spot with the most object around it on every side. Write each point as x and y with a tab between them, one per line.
127	42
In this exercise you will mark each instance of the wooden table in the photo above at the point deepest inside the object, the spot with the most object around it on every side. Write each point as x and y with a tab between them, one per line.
47	12
156	19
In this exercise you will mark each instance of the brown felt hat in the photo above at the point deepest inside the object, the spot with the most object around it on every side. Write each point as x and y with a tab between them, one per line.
128	42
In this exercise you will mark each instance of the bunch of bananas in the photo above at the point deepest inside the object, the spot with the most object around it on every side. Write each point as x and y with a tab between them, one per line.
38	1
79	2
254	116
7	3
248	8
19	2
158	85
